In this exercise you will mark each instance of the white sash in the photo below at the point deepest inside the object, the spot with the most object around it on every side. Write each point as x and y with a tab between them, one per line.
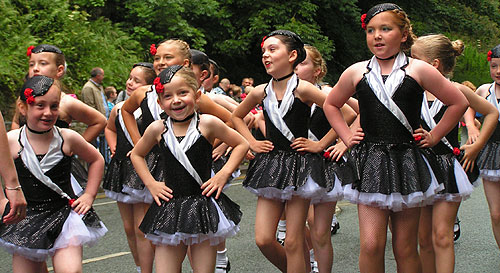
429	113
153	105
137	114
179	149
492	97
310	134
384	91
39	168
275	112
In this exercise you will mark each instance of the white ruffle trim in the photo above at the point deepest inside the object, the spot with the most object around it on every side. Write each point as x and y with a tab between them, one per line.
490	175
74	233
142	196
120	197
308	191
395	201
336	194
226	228
465	188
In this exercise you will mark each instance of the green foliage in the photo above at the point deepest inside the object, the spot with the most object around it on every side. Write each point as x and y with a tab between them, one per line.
472	66
85	43
113	34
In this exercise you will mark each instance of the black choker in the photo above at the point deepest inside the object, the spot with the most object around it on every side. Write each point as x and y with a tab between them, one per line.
186	119
38	132
386	59
282	78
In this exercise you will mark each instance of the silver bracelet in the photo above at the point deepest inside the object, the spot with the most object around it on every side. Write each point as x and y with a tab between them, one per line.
18	188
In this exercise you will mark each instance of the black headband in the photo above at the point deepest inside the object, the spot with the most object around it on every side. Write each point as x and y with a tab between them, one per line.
35	86
494	53
144	64
165	77
199	57
296	45
43	48
365	18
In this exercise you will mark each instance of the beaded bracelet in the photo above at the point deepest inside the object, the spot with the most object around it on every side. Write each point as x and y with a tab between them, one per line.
18	188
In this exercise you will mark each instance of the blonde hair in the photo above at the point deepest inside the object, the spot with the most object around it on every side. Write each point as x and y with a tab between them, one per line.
317	60
404	24
470	85
189	77
438	46
181	45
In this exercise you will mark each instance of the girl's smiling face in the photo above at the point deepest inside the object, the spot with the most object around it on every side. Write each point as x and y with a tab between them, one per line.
42	114
44	63
178	99
383	35
167	55
277	60
135	80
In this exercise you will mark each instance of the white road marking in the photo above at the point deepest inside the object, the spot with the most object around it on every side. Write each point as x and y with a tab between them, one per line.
96	259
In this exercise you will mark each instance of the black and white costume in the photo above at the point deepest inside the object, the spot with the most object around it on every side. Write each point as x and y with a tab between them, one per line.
50	223
284	172
189	217
488	159
391	171
120	170
151	111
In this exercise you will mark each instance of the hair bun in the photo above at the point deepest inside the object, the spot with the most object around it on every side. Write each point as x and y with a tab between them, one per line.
458	46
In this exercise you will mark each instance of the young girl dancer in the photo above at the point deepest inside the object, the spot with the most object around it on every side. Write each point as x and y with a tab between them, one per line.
321	137
57	222
279	173
489	159
120	169
394	179
48	60
437	221
190	208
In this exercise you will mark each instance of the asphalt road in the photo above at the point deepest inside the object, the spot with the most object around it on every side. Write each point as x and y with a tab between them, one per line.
476	250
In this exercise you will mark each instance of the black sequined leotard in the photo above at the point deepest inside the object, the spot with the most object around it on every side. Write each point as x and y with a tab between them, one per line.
283	172
391	170
189	216
337	173
134	187
47	212
445	166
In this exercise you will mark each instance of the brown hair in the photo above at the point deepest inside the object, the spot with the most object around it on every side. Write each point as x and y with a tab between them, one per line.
109	90
317	60
402	20
438	46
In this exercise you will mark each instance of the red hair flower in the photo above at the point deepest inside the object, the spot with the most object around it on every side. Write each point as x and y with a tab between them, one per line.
489	55
363	17
28	52
262	43
28	93
417	138
456	151
152	49
158	85
326	154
